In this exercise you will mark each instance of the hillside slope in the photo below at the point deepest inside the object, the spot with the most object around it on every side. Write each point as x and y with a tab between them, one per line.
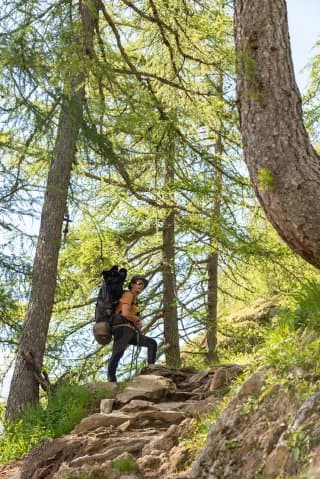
269	429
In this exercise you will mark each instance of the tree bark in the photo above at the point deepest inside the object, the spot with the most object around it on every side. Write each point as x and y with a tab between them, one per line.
170	314
283	166
213	258
24	387
211	330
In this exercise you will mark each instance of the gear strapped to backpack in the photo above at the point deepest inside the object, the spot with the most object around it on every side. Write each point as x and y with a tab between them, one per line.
109	294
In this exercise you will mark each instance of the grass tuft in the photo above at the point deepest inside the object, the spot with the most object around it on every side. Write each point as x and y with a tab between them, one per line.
57	415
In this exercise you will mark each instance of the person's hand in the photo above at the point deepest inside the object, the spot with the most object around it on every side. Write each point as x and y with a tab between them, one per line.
138	323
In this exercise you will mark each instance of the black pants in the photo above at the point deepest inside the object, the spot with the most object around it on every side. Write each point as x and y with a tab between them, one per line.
122	337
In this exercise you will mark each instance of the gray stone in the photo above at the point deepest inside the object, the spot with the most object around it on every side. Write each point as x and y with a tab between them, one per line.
17	475
89	471
170	405
101	420
148	387
147	462
177	375
158	417
252	385
219	380
124	426
164	442
277	461
199	408
138	405
99	387
106	406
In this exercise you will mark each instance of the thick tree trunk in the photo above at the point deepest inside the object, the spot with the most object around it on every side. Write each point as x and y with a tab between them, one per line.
170	315
24	387
284	167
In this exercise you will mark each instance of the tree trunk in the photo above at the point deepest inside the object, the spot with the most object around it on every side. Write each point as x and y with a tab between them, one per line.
213	258
170	315
24	387
284	167
211	330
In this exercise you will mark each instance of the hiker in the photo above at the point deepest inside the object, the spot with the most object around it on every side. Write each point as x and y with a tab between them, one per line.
126	327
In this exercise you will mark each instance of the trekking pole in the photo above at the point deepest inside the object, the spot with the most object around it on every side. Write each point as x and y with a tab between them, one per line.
138	349
132	361
137	357
135	353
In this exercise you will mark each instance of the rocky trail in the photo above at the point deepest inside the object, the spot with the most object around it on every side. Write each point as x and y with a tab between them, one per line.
140	427
270	429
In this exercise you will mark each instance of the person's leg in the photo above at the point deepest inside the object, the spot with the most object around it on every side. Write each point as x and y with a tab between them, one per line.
122	336
146	342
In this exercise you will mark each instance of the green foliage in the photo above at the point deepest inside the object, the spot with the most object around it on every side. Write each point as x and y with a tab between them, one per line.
311	99
306	313
294	342
287	348
266	179
196	436
62	411
249	64
178	106
125	465
196	360
249	406
11	317
300	443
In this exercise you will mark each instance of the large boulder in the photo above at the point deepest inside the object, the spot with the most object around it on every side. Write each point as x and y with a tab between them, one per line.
148	387
95	421
177	375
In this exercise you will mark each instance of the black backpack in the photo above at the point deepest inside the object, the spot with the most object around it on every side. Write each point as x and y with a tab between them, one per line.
109	294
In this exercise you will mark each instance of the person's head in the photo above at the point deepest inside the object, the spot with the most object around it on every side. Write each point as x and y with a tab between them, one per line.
138	283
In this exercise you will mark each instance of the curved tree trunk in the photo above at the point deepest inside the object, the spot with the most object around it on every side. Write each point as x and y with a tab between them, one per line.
24	387
284	167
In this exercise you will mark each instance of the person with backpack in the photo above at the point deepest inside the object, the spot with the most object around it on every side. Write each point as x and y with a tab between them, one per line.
126	327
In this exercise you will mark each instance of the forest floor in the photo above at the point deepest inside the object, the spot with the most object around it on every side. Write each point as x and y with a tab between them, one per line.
147	430
11	470
269	428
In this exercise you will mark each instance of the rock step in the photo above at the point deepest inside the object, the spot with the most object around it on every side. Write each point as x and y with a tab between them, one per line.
145	421
185	395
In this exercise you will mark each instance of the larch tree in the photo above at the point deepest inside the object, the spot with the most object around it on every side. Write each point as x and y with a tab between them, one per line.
213	257
24	387
170	313
283	165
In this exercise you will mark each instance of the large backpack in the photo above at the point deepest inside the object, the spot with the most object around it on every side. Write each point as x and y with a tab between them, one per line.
109	294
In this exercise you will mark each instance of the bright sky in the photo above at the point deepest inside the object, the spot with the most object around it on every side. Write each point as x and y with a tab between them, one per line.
304	29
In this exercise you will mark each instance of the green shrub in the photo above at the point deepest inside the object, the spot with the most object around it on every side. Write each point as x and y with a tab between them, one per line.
307	306
57	415
287	348
125	465
294	341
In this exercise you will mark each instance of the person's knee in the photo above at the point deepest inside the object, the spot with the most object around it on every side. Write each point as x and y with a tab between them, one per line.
153	343
117	355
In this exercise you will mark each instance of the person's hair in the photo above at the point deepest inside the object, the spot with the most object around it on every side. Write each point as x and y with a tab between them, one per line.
136	278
